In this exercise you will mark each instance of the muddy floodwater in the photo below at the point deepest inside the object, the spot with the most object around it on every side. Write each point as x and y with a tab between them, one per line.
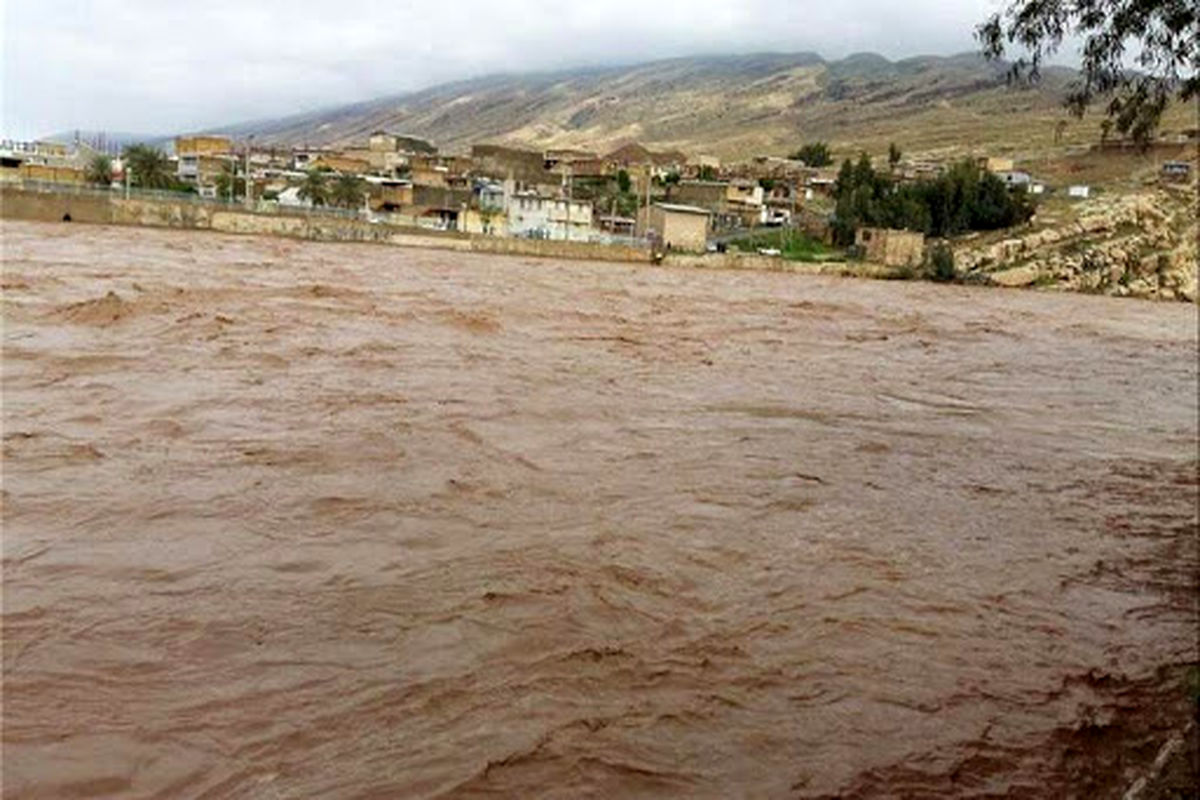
292	520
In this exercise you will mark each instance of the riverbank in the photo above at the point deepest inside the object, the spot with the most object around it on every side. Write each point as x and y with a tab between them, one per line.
1159	265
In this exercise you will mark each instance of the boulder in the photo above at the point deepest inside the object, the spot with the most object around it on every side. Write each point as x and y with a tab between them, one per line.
1016	276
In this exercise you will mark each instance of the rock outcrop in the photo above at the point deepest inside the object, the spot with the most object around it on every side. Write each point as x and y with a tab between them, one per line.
1142	245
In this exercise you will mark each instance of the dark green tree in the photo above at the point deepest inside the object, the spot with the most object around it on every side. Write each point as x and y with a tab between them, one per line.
99	170
148	167
347	191
313	189
1167	52
966	198
623	182
893	154
941	263
229	185
708	173
815	154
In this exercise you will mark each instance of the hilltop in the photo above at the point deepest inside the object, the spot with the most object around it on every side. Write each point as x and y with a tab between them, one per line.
729	106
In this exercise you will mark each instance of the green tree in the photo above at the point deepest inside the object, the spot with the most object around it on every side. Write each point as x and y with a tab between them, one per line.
148	167
99	170
623	182
313	189
941	263
815	154
1167	54
708	173
966	198
893	154
347	191
229	185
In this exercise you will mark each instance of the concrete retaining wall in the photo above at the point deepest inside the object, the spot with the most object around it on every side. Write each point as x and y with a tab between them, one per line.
114	209
53	207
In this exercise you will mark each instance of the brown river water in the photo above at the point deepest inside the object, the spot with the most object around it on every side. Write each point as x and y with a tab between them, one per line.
287	519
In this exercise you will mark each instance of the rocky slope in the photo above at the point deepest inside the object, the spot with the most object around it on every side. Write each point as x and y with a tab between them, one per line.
730	106
1136	245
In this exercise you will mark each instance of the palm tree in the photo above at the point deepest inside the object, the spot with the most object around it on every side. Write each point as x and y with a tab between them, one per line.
347	191
148	166
313	189
99	170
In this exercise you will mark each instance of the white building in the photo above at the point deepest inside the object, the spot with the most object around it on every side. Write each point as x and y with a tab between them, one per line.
533	216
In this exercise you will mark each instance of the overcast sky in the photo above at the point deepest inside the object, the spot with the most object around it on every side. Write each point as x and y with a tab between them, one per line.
166	66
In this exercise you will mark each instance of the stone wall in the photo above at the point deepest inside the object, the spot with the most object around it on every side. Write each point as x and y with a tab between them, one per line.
54	207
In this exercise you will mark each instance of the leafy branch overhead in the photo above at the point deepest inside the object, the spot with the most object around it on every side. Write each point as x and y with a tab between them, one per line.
1160	37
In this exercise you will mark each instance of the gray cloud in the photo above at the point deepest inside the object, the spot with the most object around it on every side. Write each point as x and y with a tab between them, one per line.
174	65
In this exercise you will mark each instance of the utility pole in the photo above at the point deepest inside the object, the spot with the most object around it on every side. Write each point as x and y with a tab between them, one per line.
792	219
570	191
646	227
249	144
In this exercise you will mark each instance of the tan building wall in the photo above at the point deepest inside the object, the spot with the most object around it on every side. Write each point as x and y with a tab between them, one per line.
390	197
482	223
996	164
44	172
680	230
202	145
428	176
891	248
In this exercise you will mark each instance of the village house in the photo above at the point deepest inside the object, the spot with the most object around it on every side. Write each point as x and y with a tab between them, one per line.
994	164
732	204
678	227
429	175
439	207
634	155
563	161
499	161
388	195
822	181
201	158
890	247
534	216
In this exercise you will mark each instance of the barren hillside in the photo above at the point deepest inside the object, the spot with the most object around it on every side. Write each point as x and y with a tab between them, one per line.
730	106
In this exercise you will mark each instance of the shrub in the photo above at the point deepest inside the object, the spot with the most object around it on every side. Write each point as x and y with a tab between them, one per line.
941	263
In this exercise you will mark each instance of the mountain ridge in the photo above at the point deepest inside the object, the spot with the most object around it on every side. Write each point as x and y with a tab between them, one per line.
730	105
